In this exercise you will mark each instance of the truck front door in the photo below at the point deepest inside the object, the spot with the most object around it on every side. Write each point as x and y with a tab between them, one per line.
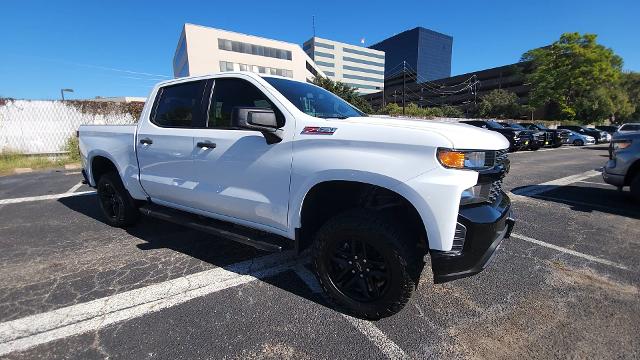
239	175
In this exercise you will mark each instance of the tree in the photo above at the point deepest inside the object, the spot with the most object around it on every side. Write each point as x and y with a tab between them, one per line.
501	104
344	91
578	77
426	112
631	86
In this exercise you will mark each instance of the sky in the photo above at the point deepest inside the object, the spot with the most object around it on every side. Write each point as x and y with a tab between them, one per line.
121	48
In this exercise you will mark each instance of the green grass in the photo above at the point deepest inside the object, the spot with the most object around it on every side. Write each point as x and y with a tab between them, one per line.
10	161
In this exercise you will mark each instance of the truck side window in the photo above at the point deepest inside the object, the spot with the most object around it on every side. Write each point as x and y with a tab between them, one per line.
230	93
179	105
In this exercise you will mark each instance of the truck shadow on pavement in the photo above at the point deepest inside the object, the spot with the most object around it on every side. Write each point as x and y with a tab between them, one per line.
588	199
219	252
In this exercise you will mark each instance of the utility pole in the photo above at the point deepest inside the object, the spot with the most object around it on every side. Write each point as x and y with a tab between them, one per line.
404	81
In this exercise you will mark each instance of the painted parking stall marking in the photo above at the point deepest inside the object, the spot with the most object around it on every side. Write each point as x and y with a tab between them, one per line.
569	251
30	331
367	328
45	197
550	185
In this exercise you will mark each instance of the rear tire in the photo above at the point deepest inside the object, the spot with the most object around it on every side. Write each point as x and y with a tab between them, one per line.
635	187
364	263
118	207
578	142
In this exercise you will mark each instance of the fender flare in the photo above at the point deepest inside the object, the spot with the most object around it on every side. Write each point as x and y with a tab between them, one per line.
299	195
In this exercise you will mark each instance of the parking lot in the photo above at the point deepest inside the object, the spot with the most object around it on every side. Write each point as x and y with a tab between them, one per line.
565	285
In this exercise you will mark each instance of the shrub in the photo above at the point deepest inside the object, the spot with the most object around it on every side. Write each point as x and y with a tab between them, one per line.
72	146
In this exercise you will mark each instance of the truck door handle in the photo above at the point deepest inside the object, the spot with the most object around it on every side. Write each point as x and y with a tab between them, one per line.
146	141
206	145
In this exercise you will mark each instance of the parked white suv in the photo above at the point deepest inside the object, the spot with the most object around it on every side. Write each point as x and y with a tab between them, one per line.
370	196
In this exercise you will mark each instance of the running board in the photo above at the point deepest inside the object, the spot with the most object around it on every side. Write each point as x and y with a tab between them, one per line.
209	226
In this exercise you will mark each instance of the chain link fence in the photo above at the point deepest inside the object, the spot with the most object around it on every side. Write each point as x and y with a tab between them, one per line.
44	126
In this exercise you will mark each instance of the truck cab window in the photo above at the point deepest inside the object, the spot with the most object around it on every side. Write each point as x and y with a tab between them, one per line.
179	105
231	93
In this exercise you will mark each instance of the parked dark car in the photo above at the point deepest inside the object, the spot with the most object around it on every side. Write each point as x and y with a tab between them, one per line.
599	135
555	137
608	128
538	138
623	167
518	140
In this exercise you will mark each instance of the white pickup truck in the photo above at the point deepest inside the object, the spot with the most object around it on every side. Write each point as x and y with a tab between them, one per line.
274	163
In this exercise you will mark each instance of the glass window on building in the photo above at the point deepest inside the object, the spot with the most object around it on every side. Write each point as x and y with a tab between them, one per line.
243	67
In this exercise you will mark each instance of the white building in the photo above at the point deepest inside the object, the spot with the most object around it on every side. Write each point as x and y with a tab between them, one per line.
204	50
360	67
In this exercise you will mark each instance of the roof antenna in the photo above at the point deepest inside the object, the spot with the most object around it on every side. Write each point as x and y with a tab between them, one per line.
313	21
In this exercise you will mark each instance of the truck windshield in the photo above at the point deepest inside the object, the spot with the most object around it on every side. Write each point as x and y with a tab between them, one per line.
516	126
313	100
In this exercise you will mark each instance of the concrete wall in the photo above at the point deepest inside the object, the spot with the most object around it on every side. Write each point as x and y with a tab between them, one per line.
43	127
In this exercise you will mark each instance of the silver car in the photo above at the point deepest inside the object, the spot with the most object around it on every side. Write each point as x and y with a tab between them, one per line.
578	139
623	167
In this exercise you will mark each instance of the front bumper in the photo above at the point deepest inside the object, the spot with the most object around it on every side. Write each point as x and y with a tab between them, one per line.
484	227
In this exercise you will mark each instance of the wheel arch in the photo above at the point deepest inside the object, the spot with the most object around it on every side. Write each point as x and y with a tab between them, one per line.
328	197
100	164
634	170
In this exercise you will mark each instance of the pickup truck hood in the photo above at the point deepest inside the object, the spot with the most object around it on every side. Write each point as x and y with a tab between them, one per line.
462	136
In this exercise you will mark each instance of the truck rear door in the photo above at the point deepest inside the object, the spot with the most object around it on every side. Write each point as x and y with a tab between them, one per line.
165	142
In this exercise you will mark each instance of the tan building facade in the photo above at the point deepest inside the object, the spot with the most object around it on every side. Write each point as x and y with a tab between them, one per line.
205	50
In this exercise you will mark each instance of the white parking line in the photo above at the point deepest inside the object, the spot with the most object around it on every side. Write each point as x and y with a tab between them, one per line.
30	331
569	251
388	347
44	197
550	185
75	187
375	335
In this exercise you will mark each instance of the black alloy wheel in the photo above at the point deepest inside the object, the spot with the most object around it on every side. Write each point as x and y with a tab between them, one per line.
367	263
112	204
358	270
116	204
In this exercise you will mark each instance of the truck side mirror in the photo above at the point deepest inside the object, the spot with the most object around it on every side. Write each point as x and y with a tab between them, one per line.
258	119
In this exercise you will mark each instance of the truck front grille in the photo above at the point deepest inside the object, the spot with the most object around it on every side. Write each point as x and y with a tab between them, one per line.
495	191
495	157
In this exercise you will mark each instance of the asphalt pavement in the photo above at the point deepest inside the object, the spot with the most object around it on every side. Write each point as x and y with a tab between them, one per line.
565	285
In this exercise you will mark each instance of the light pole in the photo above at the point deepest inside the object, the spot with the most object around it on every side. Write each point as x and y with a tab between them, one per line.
62	91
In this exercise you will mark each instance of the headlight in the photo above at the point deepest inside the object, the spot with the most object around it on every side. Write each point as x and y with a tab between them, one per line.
621	144
455	159
476	194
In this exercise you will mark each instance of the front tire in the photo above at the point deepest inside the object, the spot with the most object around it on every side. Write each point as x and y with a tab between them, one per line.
364	263
118	207
578	142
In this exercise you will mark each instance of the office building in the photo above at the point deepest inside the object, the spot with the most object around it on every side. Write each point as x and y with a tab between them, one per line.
463	91
357	66
425	51
204	50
